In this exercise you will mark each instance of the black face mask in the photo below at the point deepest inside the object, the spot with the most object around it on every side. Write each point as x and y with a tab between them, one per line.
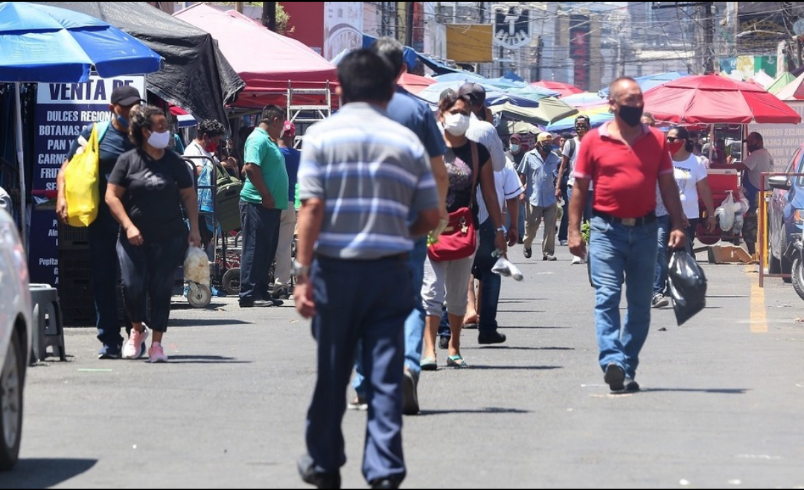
631	115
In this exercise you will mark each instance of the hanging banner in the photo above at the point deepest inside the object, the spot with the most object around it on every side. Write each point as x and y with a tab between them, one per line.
62	111
343	27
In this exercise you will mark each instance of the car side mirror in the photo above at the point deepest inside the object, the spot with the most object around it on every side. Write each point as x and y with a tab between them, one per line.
780	182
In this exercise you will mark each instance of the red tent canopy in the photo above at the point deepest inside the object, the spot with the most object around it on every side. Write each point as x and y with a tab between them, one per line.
414	83
265	60
712	99
564	89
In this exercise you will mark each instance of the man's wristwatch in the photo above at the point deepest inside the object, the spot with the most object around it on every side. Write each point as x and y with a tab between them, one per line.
299	270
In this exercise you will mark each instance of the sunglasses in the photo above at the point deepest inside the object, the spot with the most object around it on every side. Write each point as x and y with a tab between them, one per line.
673	138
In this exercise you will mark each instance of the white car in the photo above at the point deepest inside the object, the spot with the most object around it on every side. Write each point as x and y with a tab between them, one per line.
15	338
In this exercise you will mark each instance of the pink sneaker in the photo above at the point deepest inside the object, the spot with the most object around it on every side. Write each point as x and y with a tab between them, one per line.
156	353
134	347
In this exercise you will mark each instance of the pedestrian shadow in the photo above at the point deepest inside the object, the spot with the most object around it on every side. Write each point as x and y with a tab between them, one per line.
520	311
536	327
475	367
485	410
190	359
517	347
714	391
205	322
184	305
44	472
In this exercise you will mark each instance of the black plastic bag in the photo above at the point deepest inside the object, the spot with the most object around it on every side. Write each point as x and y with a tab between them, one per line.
687	285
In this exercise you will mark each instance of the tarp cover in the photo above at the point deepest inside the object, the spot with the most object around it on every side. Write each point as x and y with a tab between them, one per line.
194	74
265	60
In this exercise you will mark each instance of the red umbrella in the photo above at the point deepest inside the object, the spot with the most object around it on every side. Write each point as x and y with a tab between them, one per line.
414	83
563	88
712	99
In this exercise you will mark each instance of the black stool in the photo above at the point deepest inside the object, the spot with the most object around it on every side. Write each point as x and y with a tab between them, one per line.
48	328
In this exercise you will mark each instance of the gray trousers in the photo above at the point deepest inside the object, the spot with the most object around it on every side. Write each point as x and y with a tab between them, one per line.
534	215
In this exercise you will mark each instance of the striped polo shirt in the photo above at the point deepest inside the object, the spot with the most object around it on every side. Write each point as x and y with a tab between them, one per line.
371	172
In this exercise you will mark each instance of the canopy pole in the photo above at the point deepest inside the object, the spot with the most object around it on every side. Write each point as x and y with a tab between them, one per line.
711	141
21	161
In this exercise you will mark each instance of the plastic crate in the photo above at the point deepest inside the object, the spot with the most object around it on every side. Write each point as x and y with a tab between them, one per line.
71	238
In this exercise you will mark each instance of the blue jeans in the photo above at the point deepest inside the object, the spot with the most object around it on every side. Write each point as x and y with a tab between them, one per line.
660	272
414	324
616	250
489	281
359	301
103	234
260	238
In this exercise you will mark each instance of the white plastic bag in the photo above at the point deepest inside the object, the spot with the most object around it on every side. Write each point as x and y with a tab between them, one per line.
196	266
725	213
505	268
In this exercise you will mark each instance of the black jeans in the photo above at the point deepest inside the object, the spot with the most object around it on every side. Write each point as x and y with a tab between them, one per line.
563	228
260	238
490	282
103	261
150	270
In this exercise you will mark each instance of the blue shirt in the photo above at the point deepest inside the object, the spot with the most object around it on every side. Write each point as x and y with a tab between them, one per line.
541	188
292	159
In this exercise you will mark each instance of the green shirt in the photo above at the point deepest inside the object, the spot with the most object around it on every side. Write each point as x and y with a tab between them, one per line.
264	153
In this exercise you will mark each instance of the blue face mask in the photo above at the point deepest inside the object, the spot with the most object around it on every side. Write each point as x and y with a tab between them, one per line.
122	121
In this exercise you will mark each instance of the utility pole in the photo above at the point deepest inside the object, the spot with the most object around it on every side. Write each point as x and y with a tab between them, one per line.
238	7
269	15
709	39
408	23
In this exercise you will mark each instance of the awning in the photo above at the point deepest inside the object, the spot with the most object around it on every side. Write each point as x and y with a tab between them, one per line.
409	53
265	60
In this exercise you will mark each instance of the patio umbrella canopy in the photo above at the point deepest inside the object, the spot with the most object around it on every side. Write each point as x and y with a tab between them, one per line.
549	110
39	43
712	99
414	83
564	89
793	90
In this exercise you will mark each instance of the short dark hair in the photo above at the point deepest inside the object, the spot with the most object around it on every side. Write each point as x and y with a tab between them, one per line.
366	77
682	132
582	117
141	116
566	136
210	128
271	112
392	50
449	98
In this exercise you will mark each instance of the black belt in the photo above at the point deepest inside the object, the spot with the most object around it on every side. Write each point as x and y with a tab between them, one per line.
644	220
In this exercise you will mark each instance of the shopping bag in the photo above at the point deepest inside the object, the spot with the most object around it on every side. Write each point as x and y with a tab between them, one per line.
505	268
687	284
81	184
196	266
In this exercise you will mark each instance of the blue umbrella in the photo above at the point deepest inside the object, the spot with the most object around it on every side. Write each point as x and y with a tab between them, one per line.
568	123
649	81
47	44
494	95
39	43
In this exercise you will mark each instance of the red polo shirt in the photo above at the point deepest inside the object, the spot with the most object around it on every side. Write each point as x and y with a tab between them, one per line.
624	176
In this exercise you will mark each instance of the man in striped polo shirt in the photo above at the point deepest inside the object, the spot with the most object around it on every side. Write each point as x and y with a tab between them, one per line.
360	175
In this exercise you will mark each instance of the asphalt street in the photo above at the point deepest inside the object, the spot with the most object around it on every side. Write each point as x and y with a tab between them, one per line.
722	402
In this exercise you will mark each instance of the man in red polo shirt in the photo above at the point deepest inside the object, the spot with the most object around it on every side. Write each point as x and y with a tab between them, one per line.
624	159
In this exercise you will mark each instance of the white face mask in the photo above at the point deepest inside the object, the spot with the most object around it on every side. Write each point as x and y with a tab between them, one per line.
456	124
160	141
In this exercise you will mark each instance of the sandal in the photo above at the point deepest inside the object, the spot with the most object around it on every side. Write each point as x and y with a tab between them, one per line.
456	361
428	364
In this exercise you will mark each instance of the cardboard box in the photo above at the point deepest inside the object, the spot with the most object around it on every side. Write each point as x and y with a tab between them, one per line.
724	254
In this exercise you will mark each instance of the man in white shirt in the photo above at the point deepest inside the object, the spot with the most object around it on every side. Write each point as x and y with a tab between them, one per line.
759	160
488	295
202	153
480	130
570	152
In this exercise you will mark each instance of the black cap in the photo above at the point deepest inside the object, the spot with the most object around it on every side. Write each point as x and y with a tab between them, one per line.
475	91
126	95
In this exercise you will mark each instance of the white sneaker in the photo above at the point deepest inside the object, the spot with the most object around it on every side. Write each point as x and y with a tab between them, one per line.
134	348
576	260
563	243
